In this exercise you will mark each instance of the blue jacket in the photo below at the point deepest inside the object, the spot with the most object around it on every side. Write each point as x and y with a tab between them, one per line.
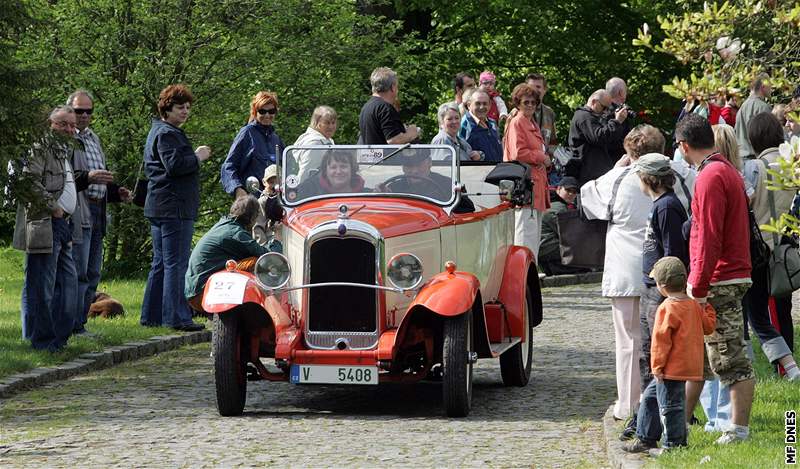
251	152
482	139
173	172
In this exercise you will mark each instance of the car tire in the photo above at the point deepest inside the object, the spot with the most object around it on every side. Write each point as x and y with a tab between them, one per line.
457	365
230	369
516	362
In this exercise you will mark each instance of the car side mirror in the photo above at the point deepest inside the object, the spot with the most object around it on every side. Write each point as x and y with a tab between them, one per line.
506	189
252	185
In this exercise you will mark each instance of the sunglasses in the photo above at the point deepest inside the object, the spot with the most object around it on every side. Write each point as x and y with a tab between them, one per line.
272	111
528	102
84	111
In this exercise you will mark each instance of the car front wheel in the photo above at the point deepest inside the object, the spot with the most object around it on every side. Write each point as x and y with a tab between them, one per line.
230	372
516	363
457	365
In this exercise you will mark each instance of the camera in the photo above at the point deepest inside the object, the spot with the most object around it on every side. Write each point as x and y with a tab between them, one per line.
631	113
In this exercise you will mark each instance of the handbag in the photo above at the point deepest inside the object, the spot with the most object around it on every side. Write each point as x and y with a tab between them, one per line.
517	172
567	161
784	262
581	242
140	190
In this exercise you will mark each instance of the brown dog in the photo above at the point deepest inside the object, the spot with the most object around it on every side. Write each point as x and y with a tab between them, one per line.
105	306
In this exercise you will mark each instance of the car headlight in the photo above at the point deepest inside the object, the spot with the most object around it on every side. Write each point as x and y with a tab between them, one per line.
272	270
404	271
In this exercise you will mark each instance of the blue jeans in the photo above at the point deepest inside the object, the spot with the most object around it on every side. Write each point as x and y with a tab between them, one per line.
49	292
667	400
716	402
89	262
164	302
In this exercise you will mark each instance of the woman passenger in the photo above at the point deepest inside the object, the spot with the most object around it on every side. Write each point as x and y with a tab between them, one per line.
319	132
338	174
449	124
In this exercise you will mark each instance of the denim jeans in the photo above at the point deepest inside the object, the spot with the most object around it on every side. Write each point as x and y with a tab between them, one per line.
667	400
649	302
716	402
164	302
48	292
89	262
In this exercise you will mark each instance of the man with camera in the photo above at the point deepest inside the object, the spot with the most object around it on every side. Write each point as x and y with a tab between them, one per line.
591	135
618	91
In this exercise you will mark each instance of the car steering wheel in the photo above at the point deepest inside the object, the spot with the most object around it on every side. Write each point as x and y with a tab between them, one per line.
424	185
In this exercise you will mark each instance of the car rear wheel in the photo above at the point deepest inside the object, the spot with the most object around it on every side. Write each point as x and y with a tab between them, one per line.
230	366
457	365
516	363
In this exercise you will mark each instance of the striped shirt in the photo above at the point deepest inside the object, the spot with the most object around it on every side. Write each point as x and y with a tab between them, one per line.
95	159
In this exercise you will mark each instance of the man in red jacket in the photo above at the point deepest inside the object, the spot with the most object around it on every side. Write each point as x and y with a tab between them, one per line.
719	257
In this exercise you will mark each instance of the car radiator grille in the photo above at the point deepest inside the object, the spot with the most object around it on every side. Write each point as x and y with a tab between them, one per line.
348	313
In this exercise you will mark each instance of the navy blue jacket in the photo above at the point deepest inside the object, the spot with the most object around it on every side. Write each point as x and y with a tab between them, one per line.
173	172
251	152
664	234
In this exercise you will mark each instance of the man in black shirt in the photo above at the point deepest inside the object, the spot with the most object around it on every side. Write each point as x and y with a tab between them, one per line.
379	121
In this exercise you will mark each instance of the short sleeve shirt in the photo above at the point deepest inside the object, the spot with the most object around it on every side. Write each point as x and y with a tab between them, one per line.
379	121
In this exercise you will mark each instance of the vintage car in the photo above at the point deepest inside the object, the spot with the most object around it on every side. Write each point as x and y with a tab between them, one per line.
391	273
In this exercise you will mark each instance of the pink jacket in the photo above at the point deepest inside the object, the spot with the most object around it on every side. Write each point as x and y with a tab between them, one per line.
523	142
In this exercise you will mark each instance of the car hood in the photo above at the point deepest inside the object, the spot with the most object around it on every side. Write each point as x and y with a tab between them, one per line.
391	217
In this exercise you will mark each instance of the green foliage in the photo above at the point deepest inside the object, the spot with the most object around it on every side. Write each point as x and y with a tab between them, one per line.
727	44
125	52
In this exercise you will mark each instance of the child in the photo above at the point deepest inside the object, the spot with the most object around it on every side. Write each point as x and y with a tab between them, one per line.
663	237
498	110
677	356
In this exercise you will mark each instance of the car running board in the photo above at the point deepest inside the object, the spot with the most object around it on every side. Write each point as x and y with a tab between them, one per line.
499	347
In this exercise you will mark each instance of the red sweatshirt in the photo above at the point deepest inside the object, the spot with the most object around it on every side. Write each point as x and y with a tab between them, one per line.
719	244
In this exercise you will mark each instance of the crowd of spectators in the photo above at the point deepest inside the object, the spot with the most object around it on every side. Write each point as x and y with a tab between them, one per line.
692	209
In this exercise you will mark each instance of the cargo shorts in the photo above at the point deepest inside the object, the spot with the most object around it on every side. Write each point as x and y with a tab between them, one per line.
725	355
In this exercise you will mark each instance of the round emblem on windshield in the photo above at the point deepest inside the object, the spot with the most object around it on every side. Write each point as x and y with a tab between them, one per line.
292	181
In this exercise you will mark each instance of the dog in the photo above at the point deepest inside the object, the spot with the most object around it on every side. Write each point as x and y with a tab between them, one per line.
105	306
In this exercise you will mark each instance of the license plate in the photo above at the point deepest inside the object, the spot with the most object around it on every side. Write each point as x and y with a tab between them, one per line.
333	374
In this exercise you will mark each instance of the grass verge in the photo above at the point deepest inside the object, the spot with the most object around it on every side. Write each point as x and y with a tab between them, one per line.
16	354
765	449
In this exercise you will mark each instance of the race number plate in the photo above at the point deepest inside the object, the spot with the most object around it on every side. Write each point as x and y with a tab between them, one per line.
333	374
225	288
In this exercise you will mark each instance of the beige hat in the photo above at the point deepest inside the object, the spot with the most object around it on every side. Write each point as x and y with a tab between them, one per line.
270	172
670	272
653	164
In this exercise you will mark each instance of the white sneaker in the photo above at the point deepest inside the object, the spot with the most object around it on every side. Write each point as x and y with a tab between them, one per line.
730	437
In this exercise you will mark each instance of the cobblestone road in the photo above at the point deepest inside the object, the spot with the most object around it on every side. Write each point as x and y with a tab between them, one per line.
160	412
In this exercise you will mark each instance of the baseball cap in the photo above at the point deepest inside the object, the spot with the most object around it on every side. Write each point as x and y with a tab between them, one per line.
653	164
270	172
670	272
568	182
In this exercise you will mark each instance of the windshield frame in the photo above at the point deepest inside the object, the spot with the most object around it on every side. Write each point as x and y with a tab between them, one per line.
454	168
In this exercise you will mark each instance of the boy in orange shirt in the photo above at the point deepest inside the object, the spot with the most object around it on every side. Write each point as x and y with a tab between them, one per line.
676	356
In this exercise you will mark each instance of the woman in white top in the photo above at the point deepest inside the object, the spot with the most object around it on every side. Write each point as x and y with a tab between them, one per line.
449	123
319	132
616	197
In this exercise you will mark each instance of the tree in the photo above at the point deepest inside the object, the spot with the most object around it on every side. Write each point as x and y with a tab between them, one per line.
727	44
126	51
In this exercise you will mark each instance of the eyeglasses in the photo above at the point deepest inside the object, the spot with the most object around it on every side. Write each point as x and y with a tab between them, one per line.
84	111
528	102
271	111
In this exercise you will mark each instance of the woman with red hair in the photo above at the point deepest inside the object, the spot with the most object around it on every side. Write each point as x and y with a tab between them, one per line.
255	147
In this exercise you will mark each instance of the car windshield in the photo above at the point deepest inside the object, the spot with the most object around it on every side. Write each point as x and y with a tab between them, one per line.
420	171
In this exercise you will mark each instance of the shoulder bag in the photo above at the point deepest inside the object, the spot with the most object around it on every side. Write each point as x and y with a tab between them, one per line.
784	262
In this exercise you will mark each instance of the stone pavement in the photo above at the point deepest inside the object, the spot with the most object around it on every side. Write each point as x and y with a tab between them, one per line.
160	412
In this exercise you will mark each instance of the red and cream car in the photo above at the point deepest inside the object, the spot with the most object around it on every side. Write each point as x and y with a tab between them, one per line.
408	278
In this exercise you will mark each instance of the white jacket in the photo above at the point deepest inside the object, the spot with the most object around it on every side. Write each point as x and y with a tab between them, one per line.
628	215
303	157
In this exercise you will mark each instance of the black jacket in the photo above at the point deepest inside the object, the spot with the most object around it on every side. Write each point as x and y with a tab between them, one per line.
590	135
173	171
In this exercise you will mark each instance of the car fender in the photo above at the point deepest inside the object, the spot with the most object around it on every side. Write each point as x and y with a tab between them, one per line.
252	294
519	273
444	295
